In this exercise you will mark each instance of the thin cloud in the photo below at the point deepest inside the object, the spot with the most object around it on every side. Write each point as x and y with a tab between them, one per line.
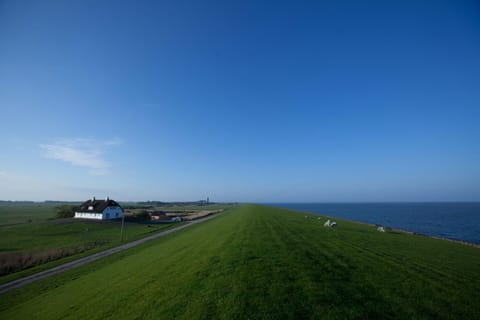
82	153
113	142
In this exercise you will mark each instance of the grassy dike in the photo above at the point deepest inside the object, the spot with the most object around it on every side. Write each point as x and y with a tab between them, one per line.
265	263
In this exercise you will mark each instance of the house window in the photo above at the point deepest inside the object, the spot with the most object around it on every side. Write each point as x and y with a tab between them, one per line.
90	208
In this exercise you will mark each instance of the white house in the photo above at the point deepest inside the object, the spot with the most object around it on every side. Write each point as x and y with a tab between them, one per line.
99	210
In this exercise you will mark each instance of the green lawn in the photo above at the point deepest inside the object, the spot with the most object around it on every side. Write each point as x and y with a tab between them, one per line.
68	233
189	208
258	262
26	244
11	214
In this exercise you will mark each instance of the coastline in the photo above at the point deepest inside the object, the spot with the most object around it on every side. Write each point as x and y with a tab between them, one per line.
466	243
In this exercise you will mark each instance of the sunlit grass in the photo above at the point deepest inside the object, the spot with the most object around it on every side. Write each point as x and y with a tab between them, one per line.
259	262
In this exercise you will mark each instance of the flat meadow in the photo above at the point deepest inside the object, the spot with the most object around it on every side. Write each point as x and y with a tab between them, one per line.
31	237
258	262
25	213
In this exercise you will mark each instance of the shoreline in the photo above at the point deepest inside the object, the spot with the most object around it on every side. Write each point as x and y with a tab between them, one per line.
465	243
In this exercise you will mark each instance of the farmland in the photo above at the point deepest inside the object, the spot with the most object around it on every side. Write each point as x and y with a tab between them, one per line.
261	262
23	213
31	237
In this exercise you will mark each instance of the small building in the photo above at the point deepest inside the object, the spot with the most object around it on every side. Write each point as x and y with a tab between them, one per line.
99	209
176	219
159	216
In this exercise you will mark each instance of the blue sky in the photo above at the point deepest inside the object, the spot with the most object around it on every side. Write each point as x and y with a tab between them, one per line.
240	101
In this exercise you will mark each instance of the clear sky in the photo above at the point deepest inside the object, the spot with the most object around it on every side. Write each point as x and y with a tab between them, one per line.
256	101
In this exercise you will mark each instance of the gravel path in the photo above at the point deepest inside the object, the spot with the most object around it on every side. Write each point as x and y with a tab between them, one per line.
15	284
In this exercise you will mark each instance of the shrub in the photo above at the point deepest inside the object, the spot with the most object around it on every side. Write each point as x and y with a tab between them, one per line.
65	211
143	214
15	261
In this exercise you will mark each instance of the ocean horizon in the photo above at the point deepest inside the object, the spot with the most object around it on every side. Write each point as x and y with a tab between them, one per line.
452	220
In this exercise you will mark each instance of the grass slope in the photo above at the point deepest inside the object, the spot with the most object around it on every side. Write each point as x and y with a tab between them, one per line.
260	262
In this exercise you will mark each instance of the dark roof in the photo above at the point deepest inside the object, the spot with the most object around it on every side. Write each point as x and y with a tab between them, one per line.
98	205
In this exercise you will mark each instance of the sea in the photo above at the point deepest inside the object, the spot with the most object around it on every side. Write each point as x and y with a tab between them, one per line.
453	220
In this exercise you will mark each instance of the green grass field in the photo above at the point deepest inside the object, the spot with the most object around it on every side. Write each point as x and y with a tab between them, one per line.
189	208
25	244
257	262
12	214
68	233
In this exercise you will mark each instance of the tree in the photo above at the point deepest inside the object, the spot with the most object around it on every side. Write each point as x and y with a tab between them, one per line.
143	214
65	211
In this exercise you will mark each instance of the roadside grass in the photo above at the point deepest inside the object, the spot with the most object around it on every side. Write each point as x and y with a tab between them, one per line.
67	233
32	240
28	245
265	263
50	264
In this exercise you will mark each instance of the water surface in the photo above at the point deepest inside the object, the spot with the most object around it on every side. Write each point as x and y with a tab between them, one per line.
454	220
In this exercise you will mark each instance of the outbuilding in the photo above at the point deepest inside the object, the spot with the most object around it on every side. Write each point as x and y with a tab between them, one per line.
176	219
99	209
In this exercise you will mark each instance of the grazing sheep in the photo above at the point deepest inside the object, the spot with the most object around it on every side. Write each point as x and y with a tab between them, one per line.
329	223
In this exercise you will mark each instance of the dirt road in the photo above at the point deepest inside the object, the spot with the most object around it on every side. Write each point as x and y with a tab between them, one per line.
9	286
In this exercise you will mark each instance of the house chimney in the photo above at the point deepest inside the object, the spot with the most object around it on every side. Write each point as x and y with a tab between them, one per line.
93	199
107	198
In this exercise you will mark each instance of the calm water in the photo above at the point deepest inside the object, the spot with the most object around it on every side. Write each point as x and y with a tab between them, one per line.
460	221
